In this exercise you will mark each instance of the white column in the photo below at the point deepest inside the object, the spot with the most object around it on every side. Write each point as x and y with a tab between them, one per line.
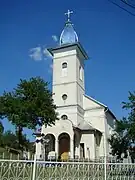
71	148
77	151
38	149
56	148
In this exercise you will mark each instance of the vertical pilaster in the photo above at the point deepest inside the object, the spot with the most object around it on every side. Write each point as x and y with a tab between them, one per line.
57	147
71	148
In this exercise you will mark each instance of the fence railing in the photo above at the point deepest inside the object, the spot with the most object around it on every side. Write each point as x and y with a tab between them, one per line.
47	170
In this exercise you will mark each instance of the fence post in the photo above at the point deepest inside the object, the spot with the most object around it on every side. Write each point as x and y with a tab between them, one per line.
34	168
105	167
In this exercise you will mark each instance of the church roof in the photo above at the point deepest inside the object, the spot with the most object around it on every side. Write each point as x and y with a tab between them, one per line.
101	104
83	125
86	126
68	34
78	44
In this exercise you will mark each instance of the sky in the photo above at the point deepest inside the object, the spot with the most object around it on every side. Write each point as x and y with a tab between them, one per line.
106	32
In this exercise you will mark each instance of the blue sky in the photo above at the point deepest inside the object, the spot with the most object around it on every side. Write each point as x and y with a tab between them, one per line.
106	32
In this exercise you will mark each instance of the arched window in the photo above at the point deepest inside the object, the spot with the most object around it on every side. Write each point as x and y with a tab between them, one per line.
64	65
64	69
80	73
64	117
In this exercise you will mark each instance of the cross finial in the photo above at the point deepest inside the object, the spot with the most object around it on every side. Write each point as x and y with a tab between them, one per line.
68	14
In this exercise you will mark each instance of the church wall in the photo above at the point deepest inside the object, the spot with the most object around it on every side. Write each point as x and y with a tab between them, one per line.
70	111
89	145
38	149
61	126
96	117
110	128
80	71
68	89
89	104
59	58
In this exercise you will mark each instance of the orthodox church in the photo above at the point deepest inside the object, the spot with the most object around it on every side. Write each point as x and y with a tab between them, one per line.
84	124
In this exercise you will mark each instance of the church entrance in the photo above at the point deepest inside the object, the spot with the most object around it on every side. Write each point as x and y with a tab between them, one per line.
64	146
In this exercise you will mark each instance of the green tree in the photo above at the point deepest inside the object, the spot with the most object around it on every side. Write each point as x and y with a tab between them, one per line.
1	132
29	105
124	138
10	140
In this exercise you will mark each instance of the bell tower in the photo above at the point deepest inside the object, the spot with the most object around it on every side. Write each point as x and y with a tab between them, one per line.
68	74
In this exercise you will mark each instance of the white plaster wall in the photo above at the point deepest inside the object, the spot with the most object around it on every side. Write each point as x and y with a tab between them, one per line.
110	129
38	149
71	112
80	62
70	58
96	118
89	142
70	84
95	115
60	126
69	89
110	123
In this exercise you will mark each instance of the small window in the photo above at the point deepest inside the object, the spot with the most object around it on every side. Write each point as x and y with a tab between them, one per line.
64	69
64	117
80	73
64	97
64	65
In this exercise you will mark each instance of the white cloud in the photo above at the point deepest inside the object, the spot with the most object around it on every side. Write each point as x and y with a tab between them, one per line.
46	53
36	53
55	38
50	68
39	53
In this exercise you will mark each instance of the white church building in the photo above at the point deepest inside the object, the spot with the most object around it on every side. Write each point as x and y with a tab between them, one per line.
84	124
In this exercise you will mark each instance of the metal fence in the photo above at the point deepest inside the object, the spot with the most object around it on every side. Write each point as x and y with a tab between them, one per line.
40	170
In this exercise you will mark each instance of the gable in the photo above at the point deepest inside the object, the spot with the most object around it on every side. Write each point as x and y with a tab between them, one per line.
90	103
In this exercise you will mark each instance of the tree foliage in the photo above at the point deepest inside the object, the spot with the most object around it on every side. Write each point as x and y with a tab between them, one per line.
10	140
29	105
124	138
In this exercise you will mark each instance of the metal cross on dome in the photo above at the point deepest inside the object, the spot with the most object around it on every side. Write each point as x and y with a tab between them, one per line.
68	14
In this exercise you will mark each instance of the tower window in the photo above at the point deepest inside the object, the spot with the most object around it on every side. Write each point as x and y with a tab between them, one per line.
64	69
64	65
64	97
80	73
64	117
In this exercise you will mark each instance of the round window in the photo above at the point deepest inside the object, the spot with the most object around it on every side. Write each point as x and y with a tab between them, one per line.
64	117
64	65
64	97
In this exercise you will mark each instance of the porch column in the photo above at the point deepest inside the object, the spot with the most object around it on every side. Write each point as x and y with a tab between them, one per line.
56	147
77	151
71	148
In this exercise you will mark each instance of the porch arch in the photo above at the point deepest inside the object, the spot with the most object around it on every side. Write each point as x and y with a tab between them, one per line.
64	143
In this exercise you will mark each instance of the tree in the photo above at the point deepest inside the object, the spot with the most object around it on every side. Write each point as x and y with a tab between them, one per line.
1	128
119	145
10	140
29	105
1	131
124	138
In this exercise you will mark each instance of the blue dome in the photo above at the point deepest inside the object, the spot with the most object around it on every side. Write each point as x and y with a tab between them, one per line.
68	35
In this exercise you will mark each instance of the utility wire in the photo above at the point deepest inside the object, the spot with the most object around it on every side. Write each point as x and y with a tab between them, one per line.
121	7
128	3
